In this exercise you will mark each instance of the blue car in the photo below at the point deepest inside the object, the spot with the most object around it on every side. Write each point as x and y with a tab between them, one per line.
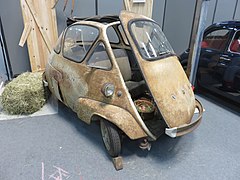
219	62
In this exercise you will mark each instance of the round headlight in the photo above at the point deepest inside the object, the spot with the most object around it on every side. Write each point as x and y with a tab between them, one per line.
108	89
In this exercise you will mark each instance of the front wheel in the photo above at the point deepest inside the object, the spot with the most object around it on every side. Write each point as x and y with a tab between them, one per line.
111	138
184	64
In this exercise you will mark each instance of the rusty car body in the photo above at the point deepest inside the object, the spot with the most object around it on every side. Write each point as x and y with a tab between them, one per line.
101	65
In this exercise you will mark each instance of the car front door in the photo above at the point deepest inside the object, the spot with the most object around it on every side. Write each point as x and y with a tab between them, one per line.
231	63
214	57
161	69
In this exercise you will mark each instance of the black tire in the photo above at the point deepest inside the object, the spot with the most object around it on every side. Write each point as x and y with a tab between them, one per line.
111	138
47	92
184	64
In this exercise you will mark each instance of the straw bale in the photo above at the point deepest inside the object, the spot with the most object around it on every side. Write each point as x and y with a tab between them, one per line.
24	94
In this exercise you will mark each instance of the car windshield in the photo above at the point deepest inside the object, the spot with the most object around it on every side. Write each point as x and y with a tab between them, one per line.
150	39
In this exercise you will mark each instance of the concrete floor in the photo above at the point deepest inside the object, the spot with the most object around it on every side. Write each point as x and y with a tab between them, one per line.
60	146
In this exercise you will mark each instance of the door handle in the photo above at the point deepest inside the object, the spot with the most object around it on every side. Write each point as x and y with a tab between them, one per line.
225	58
222	65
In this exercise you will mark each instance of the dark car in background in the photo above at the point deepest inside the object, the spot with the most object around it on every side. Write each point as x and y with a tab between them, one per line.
219	62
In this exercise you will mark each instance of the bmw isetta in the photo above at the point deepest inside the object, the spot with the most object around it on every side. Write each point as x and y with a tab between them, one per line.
117	70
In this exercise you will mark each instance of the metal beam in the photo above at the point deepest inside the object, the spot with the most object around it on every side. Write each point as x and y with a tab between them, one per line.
196	38
96	7
5	52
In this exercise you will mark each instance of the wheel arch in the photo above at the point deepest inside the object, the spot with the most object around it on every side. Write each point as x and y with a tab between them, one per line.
90	110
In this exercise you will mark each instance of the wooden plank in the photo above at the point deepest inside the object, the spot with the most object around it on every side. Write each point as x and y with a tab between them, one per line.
41	8
139	8
42	17
27	17
39	24
53	3
52	22
127	5
25	34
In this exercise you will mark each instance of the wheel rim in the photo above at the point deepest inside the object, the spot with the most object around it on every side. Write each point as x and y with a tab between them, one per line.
105	135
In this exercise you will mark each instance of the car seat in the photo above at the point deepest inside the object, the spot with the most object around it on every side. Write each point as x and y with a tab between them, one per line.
125	69
101	59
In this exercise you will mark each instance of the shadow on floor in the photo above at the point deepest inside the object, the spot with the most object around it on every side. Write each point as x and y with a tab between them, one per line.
164	149
90	132
220	101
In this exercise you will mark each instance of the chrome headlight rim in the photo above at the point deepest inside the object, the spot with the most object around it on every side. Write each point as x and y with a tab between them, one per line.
108	89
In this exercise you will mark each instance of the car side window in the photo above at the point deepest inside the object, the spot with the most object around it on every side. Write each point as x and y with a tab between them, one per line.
235	43
112	35
216	39
120	28
78	40
100	59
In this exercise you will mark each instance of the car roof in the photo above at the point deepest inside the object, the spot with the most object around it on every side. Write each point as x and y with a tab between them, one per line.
225	24
101	19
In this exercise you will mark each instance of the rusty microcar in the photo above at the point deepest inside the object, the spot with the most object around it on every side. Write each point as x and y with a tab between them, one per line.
122	72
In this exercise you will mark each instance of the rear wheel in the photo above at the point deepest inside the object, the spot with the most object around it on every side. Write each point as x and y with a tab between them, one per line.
111	138
47	92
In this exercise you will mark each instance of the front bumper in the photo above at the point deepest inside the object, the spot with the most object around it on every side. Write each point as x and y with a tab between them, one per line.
186	128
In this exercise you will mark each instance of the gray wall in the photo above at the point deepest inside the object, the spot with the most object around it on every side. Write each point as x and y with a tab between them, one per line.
174	16
10	11
109	7
3	72
159	11
82	8
237	12
224	10
177	23
211	11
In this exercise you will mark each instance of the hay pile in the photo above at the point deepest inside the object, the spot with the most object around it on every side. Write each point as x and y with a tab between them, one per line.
24	94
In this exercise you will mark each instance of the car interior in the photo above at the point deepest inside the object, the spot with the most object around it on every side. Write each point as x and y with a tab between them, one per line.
133	80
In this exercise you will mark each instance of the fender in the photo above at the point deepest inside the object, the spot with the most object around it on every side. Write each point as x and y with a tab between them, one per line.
88	109
53	78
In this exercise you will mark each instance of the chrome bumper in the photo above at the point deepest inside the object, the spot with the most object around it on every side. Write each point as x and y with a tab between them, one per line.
186	128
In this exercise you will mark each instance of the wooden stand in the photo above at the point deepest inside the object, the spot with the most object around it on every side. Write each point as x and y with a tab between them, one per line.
144	8
118	163
40	30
